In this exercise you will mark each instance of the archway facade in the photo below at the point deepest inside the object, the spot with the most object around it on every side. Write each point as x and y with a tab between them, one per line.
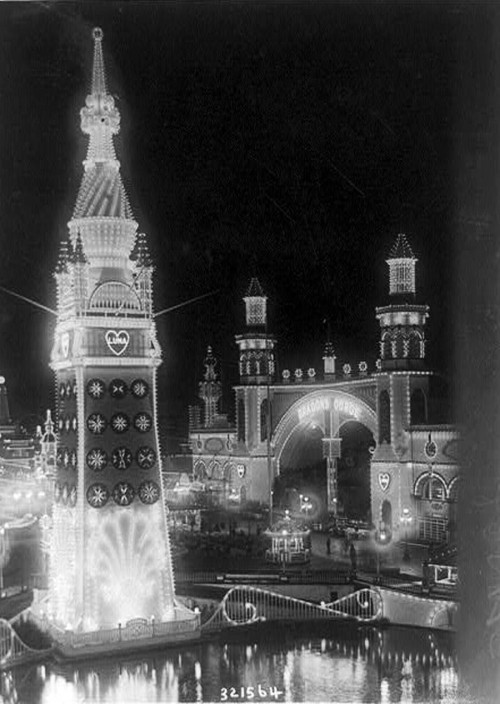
309	435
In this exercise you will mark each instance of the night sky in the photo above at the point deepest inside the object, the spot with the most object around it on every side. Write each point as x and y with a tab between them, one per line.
292	141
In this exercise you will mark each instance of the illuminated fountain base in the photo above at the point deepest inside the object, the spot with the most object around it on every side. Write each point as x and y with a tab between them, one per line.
137	634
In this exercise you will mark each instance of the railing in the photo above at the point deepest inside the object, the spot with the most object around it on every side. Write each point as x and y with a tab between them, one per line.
131	631
248	605
12	648
263	577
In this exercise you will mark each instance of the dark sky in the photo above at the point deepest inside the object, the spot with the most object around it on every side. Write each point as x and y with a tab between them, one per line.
288	140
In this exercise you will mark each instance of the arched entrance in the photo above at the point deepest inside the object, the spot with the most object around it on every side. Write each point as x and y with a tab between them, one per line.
386	515
353	471
299	450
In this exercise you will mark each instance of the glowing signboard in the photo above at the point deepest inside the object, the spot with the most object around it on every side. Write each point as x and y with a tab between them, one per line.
117	341
341	405
310	407
349	407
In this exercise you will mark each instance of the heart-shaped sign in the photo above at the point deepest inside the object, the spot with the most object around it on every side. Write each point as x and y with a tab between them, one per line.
117	341
384	479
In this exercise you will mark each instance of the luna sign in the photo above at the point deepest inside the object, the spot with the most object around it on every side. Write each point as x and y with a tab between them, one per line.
341	405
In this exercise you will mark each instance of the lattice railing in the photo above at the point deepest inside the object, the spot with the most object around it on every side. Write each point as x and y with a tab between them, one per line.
246	605
12	648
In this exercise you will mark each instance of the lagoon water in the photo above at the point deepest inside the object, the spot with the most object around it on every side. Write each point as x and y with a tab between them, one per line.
349	665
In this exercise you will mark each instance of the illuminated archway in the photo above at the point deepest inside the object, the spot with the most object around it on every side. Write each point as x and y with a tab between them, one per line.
312	411
298	449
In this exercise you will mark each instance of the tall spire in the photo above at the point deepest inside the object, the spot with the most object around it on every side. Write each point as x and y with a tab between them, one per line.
98	73
255	304
102	194
401	263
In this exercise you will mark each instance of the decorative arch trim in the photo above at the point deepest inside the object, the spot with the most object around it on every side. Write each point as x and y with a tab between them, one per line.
423	478
451	485
315	402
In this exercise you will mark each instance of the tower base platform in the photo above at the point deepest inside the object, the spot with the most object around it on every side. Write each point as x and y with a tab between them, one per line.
136	634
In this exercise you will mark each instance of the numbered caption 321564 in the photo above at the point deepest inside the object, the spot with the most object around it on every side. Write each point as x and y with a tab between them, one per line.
259	691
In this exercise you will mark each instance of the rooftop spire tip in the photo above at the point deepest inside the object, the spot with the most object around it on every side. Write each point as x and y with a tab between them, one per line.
97	34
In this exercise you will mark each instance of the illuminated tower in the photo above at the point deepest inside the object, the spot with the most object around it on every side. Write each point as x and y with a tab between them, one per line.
257	368
402	385
48	445
110	553
210	390
402	337
4	403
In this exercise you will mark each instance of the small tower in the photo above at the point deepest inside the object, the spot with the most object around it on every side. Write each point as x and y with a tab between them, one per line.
329	362
210	390
4	403
257	368
48	445
402	336
255	345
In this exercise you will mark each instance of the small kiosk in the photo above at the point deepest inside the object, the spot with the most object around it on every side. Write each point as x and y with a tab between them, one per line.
290	542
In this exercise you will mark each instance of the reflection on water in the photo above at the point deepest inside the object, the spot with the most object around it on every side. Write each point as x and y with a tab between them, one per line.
347	664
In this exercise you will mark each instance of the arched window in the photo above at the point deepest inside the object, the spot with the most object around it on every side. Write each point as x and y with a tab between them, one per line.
453	490
263	420
415	345
384	417
431	488
418	407
386	515
399	345
200	471
386	350
241	420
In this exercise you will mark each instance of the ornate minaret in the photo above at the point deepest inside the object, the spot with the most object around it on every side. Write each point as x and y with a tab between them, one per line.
48	445
4	403
257	367
329	362
402	385
110	554
210	390
402	337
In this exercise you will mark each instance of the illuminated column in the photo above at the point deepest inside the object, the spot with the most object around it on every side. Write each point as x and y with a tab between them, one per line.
210	389
331	451
110	554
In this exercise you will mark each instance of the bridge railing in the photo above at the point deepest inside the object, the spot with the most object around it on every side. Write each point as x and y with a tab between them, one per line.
13	650
132	630
263	577
245	605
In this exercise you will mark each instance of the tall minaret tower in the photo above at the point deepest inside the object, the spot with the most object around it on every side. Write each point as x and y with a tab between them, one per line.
4	403
210	390
257	367
110	554
402	337
402	384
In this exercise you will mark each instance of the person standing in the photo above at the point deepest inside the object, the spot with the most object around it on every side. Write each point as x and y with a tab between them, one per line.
328	546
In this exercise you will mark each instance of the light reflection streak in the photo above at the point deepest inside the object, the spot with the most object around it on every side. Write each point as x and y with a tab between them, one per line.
318	673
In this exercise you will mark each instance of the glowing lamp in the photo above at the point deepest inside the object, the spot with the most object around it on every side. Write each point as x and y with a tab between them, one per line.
2	380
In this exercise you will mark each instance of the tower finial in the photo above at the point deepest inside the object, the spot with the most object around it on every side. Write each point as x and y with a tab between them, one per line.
255	304
401	263
98	75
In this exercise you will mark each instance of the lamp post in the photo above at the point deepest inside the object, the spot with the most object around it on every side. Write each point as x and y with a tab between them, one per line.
382	538
405	519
